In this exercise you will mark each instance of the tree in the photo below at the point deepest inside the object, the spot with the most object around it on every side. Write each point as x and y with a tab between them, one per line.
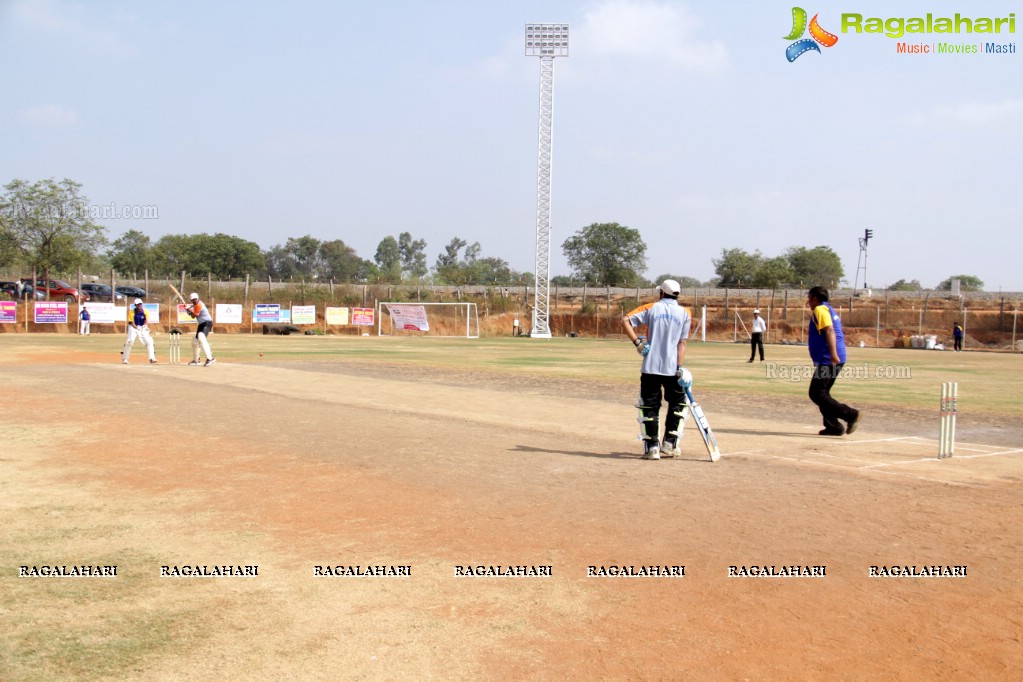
773	273
684	281
450	255
220	254
388	260
606	253
472	267
340	262
132	253
305	254
280	264
229	257
448	268
903	285
966	283
737	268
817	266
47	224
412	254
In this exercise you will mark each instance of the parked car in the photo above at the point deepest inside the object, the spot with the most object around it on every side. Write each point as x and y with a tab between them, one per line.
58	290
131	292
101	292
10	289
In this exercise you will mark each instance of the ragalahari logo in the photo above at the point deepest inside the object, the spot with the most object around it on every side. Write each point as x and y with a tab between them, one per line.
817	35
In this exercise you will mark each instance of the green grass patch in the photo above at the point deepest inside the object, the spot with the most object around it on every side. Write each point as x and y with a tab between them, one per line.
881	376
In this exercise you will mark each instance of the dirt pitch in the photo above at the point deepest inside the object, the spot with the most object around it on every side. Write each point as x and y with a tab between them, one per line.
291	463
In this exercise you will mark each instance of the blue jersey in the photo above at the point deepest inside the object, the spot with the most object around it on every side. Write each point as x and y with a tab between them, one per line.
139	316
824	316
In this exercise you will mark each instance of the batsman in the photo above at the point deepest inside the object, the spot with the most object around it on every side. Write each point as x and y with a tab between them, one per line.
197	310
664	349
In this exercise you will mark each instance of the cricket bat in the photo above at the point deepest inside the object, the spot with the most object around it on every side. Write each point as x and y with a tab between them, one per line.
701	421
177	293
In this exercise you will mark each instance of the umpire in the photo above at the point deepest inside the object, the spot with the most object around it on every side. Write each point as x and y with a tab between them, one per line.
757	336
667	326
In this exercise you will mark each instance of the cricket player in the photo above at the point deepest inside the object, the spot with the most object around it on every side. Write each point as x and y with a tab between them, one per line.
197	310
138	328
667	326
83	321
826	342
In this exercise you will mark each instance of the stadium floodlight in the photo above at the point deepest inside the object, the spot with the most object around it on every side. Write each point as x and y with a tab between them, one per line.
861	264
545	41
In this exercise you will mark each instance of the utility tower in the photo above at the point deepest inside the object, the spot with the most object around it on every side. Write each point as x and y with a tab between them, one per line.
545	41
862	263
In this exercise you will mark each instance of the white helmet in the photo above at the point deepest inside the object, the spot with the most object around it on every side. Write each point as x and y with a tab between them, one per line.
193	296
137	301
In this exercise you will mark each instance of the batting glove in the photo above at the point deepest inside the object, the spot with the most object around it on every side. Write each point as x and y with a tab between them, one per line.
642	347
685	377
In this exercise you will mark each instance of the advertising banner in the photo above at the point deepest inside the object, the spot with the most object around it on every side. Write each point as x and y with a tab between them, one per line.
303	314
263	313
228	313
363	316
50	312
411	317
337	316
105	313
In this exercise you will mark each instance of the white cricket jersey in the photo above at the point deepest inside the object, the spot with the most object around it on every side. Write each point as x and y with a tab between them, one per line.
667	324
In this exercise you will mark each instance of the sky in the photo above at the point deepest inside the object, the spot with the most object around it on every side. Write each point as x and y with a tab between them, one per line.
682	120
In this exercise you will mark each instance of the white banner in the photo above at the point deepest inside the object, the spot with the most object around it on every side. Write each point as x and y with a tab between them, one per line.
336	316
229	313
104	313
303	314
411	317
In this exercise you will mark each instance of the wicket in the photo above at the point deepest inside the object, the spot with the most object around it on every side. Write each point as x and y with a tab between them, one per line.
949	407
175	348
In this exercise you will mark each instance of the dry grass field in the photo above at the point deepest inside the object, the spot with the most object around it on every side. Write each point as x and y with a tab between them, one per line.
297	452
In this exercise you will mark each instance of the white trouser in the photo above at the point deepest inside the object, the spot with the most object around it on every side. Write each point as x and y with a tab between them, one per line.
147	340
200	341
83	327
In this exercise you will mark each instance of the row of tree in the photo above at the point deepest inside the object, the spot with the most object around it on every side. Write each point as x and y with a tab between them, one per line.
46	226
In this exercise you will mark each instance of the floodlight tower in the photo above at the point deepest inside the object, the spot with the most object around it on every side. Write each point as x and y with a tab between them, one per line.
861	264
545	41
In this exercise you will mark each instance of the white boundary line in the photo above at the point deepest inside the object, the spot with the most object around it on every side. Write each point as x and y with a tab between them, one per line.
868	466
989	454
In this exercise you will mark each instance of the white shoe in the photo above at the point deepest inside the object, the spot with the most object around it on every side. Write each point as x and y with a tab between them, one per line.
652	452
194	362
670	450
124	362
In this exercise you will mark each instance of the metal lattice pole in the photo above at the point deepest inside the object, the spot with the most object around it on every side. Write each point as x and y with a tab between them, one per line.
541	326
546	41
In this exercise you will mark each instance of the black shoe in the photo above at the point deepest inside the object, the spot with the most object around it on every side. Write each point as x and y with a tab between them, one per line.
751	360
852	422
830	432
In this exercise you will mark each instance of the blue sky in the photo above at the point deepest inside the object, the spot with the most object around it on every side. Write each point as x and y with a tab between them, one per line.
682	120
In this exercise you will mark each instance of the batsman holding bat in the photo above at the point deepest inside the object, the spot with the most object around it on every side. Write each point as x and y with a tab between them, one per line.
197	310
667	326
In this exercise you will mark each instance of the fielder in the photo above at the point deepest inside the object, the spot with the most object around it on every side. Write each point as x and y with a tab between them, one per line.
83	321
138	328
197	310
667	326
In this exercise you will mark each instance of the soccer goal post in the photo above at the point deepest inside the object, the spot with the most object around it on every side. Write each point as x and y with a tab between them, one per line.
428	319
